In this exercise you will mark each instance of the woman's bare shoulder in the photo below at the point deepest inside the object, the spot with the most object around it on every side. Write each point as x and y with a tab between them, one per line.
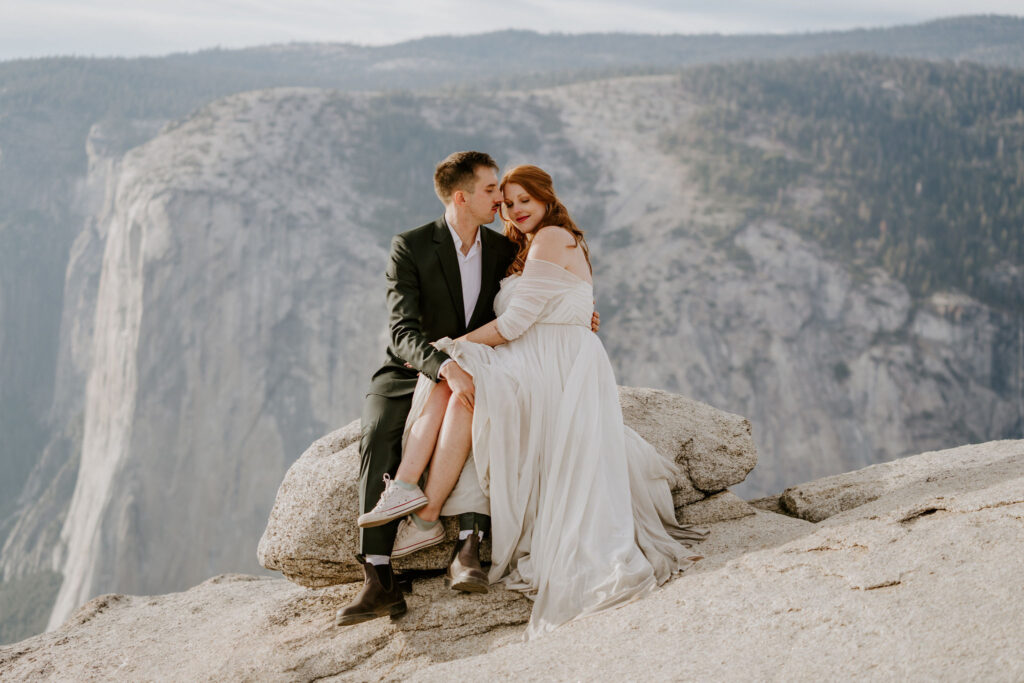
549	243
554	234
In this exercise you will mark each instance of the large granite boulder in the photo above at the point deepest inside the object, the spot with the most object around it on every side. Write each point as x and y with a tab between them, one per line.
713	448
312	537
822	498
312	533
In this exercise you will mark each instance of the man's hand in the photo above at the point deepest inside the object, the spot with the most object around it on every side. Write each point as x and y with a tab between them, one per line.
595	322
461	384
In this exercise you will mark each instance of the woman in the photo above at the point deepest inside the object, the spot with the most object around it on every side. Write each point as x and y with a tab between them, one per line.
582	514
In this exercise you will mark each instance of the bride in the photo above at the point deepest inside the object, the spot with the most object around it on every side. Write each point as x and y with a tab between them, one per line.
582	515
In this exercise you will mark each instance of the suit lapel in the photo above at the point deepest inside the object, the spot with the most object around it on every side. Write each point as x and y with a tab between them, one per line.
488	279
445	247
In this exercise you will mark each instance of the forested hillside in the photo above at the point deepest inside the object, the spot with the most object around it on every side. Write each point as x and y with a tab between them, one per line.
920	164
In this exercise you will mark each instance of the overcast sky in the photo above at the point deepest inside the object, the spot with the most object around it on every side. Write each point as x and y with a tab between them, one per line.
34	28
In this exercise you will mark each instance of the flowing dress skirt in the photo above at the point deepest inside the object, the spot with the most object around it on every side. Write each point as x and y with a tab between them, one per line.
581	510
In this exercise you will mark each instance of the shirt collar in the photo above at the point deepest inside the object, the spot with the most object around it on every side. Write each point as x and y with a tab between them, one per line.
457	239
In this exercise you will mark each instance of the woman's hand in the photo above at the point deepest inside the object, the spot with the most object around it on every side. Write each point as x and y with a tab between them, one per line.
461	384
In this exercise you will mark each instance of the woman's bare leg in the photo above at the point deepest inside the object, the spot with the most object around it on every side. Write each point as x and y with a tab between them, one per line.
453	444
423	435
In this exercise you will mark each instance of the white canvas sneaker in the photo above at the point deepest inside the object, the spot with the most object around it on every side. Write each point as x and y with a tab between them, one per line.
395	502
411	538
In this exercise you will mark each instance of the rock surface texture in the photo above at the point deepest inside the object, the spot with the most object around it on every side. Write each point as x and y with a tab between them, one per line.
823	498
921	583
312	535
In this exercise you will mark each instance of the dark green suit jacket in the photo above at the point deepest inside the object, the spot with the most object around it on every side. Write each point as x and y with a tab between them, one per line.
424	295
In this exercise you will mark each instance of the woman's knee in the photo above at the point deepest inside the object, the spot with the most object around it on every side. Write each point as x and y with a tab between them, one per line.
438	400
442	389
455	408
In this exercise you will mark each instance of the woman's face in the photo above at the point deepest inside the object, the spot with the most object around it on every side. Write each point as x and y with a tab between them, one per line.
524	211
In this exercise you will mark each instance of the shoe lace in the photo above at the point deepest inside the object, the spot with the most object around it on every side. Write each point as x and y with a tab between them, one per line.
389	487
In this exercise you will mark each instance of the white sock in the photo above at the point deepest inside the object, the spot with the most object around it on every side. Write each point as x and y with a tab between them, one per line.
378	560
464	534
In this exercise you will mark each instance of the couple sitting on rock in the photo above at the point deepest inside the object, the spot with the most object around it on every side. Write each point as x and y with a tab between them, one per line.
496	381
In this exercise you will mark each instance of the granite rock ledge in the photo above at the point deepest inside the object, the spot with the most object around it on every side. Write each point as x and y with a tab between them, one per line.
312	537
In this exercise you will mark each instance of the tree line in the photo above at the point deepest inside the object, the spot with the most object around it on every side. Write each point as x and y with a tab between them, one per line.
921	164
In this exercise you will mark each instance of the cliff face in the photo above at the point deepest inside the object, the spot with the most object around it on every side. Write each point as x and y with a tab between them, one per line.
225	307
33	544
238	312
836	368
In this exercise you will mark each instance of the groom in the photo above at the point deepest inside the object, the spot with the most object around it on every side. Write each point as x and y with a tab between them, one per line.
441	281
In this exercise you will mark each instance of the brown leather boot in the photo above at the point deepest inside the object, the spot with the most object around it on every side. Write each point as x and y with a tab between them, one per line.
381	595
464	572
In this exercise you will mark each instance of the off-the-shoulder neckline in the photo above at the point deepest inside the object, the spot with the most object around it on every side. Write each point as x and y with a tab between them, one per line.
560	267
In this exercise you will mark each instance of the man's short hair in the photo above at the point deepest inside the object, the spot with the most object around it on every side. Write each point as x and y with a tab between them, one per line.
458	172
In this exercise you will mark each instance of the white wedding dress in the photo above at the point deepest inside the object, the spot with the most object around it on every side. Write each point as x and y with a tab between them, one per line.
581	511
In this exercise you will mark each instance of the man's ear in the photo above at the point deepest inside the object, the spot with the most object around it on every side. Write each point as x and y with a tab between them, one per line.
458	197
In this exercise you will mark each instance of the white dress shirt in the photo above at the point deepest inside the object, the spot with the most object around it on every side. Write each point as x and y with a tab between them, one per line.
470	265
470	272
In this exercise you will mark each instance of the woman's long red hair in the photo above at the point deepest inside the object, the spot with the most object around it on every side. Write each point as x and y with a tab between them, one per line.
538	185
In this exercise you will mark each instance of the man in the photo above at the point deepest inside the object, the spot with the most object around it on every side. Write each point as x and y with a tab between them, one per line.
442	278
441	281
